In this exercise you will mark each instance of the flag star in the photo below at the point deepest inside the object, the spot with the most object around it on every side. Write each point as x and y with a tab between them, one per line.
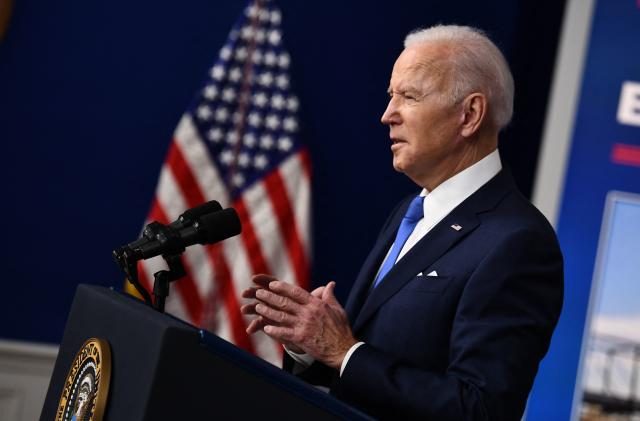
204	112
247	32
282	81
260	36
272	122
215	134
270	58
284	60
292	103
274	37
265	15
256	57
251	11
232	138
277	101
225	53
228	94
226	157
217	72
260	161
276	17
255	119
236	117
250	140
266	141
244	160
222	114
235	74
210	92
260	99
290	124
265	79
241	53
285	143
237	179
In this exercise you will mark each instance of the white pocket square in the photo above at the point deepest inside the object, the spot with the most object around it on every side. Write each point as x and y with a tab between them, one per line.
432	273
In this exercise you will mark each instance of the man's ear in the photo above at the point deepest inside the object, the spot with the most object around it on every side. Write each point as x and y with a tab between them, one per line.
474	108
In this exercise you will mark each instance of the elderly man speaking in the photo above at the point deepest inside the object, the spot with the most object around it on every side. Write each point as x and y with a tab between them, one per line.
455	305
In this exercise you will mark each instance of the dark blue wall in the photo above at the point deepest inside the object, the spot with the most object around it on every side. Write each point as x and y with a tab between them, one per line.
90	93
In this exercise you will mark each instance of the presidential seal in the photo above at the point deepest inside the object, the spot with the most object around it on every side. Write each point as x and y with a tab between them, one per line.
86	387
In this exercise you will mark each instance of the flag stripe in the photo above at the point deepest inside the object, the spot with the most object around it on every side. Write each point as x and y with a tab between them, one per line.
228	293
263	218
197	157
250	241
295	174
284	213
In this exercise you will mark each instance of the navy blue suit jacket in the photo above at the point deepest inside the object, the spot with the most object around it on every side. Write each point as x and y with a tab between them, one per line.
465	344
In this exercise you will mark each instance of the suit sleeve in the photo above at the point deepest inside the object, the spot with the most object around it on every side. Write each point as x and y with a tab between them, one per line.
500	332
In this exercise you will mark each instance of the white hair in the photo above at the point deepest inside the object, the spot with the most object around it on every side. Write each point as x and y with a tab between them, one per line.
476	64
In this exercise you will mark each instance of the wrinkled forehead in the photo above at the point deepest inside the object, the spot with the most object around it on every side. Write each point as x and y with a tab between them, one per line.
419	67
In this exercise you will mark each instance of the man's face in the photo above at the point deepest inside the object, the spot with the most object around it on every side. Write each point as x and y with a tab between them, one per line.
423	123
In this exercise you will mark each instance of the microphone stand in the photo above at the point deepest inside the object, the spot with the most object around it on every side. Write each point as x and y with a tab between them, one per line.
163	278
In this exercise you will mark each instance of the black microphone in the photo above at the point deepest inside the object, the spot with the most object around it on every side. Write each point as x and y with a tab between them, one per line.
185	219
207	229
190	215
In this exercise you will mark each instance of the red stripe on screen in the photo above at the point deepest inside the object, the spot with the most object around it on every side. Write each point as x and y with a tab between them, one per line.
282	206
191	191
626	154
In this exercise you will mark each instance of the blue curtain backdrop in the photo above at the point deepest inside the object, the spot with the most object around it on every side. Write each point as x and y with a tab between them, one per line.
90	93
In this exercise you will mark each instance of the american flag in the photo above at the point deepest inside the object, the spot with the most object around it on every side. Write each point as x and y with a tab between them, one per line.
237	144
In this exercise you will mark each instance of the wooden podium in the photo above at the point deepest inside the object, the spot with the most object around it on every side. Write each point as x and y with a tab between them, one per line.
165	369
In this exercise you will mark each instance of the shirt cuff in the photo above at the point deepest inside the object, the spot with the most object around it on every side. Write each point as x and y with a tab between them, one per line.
348	355
304	359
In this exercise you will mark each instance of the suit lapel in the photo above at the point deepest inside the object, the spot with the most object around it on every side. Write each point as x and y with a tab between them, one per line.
430	248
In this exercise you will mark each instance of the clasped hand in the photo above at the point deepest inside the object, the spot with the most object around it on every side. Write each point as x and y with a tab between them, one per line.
305	322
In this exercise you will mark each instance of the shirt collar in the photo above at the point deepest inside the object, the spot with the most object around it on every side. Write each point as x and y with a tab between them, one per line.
456	189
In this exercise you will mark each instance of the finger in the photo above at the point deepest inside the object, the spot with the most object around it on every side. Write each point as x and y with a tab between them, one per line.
256	325
250	292
279	317
248	308
279	333
262	280
318	292
278	301
294	292
328	295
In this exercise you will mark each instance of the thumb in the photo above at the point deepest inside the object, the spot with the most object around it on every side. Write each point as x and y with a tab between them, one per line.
327	294
318	292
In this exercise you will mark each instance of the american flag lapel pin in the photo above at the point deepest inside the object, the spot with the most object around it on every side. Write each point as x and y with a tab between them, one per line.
456	227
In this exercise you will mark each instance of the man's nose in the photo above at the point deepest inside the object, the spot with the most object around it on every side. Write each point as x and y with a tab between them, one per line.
390	115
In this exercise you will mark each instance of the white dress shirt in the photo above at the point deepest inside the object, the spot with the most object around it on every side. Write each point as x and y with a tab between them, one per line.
437	204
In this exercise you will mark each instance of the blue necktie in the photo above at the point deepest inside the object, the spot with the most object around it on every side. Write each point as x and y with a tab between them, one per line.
411	218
